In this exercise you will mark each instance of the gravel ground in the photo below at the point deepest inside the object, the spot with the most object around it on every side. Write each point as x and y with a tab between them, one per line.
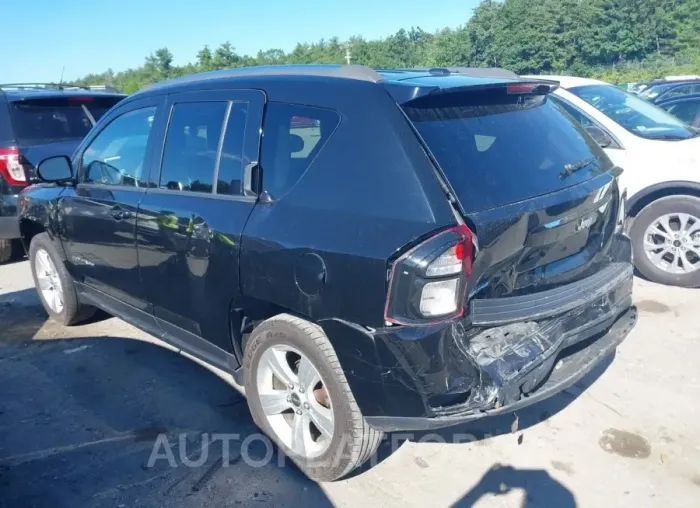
82	410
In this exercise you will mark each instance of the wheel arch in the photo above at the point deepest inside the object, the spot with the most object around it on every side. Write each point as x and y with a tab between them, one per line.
648	195
243	319
28	229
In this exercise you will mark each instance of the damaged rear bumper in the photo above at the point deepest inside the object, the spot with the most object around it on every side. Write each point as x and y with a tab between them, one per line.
550	377
413	378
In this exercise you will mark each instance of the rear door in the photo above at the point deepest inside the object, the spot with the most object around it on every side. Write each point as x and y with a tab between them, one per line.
191	218
98	215
540	192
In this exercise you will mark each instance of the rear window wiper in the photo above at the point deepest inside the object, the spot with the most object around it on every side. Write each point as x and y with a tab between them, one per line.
570	169
88	114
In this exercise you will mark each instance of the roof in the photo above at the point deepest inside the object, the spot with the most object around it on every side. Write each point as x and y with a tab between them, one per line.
570	81
419	77
674	82
689	77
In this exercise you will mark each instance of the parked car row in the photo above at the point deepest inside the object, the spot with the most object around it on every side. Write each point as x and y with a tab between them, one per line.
38	120
679	95
370	251
654	88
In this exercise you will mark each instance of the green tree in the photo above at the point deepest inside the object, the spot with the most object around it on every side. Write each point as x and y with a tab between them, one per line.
583	37
225	57
205	60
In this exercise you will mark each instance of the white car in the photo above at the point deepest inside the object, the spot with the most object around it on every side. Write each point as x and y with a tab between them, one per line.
660	156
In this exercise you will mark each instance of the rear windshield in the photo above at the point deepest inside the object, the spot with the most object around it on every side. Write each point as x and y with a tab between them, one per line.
6	135
38	121
496	148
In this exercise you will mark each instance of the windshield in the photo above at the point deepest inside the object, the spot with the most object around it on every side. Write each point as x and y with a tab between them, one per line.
634	114
496	148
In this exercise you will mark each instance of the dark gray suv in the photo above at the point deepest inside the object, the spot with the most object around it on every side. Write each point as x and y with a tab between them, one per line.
38	120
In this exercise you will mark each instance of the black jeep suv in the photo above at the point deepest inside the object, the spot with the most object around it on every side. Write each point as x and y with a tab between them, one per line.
363	251
38	120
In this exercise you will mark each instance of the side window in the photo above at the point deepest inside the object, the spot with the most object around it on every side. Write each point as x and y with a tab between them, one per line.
578	115
118	154
292	137
230	173
192	146
688	111
678	91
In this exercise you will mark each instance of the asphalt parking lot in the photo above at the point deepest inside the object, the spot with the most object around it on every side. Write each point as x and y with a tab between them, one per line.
82	408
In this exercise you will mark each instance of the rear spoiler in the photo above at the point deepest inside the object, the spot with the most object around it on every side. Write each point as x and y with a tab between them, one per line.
404	94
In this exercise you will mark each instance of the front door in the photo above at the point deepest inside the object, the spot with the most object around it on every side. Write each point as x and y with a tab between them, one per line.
191	218
99	213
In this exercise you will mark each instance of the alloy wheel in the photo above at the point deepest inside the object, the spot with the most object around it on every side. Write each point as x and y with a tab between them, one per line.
672	243
48	281
295	401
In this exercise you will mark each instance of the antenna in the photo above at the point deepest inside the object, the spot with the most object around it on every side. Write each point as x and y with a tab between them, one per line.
63	69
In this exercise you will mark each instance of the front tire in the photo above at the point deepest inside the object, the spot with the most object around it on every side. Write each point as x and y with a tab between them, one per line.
666	241
299	396
54	284
9	250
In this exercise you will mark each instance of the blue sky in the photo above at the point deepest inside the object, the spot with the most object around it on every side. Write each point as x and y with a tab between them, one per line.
39	37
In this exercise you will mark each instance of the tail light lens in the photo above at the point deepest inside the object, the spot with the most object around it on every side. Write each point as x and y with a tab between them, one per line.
11	168
428	284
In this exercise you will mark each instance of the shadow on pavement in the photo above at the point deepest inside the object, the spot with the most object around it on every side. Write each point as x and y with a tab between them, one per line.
21	315
80	419
539	488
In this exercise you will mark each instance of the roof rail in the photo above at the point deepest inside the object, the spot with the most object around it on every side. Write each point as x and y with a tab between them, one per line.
40	86
359	72
103	88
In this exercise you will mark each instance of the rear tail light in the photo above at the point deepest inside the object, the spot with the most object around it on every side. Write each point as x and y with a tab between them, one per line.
428	284
439	298
11	168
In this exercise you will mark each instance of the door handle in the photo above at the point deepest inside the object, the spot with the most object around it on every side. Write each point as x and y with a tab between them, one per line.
248	183
119	214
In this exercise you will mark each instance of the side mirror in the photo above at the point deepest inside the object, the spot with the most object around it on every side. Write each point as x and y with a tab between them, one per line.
55	169
600	136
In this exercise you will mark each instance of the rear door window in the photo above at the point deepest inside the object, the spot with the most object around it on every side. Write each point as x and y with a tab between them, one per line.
496	148
230	171
293	136
688	111
575	113
192	146
41	121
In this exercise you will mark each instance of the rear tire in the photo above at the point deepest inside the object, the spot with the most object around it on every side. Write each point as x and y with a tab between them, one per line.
665	264
54	284
10	249
353	441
